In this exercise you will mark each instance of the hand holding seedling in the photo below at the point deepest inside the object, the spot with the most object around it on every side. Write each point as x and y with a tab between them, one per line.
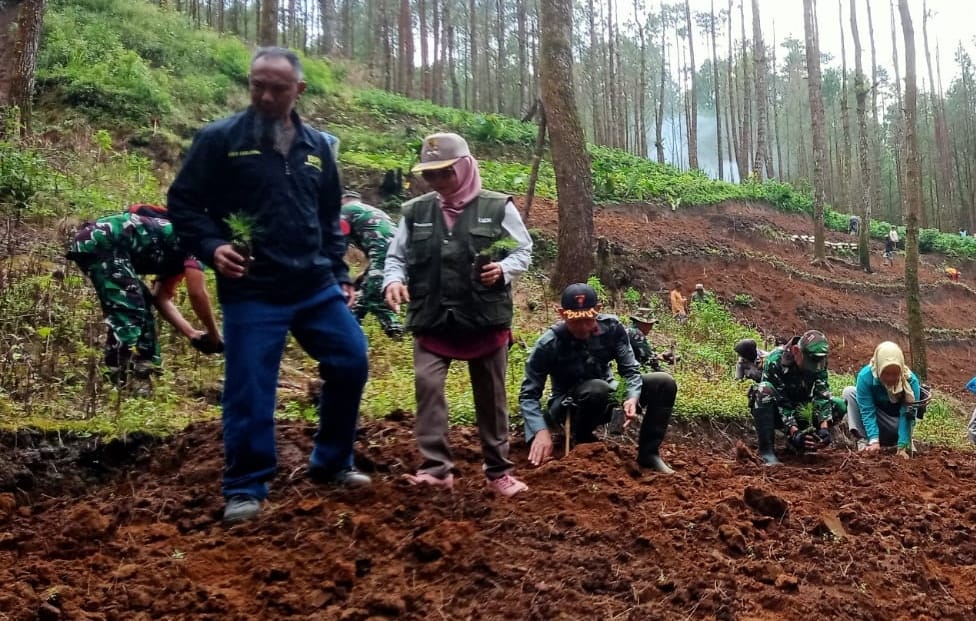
229	263
491	274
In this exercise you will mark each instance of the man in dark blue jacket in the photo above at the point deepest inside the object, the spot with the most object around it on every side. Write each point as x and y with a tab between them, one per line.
576	354
265	168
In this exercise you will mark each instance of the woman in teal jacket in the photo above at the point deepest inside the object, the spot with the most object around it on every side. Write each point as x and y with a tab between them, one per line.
881	407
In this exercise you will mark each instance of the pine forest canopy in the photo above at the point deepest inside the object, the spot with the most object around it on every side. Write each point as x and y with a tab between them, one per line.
633	83
634	87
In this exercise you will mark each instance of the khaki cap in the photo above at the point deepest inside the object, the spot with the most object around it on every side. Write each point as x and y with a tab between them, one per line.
440	151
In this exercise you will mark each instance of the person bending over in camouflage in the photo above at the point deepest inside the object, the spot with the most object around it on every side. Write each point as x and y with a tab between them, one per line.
114	252
793	376
370	229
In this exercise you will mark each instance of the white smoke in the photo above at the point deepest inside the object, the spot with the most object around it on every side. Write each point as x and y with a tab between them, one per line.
675	135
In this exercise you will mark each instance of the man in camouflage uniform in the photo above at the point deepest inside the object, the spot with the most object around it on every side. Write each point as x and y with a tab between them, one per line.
114	252
637	332
792	376
370	229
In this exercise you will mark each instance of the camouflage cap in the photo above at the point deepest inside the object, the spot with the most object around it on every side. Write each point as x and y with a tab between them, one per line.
643	316
813	343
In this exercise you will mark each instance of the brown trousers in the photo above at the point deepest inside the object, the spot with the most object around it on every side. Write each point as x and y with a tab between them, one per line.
490	403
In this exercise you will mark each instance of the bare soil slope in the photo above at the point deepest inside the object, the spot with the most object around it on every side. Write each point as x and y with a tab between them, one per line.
834	536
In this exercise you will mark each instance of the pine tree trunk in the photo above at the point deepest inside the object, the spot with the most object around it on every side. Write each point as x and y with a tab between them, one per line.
455	86
594	70
474	103
435	71
693	95
573	174
844	159
745	142
405	49
17	68
941	157
327	13
425	83
500	63
716	95
523	67
611	119
860	95
734	127
659	112
774	104
759	159
897	142
916	329
641	114
388	68
875	125
268	34
814	81
540	147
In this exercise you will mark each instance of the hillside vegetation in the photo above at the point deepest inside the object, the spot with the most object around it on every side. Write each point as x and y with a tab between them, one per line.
121	88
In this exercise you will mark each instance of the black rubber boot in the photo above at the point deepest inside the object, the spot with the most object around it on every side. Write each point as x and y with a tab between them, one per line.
652	432
765	432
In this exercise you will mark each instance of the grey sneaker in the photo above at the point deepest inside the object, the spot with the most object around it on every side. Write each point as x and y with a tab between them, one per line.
347	478
241	507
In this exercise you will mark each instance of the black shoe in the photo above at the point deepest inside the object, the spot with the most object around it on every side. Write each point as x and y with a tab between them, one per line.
349	477
657	464
241	507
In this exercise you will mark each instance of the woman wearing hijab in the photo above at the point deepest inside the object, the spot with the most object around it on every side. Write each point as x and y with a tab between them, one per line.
458	309
879	407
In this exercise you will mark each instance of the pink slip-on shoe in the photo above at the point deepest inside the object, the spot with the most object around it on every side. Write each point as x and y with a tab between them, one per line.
506	485
426	478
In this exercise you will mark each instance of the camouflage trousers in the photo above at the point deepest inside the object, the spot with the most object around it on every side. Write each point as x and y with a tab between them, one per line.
370	300
127	304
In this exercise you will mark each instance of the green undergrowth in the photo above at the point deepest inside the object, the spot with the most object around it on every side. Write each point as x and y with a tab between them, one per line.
49	366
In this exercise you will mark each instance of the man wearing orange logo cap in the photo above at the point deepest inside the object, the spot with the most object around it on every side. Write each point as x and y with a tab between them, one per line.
576	354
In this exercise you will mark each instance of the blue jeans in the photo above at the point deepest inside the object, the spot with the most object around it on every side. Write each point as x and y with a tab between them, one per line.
254	341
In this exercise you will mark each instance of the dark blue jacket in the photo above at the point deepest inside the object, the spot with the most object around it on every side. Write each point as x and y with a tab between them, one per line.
298	245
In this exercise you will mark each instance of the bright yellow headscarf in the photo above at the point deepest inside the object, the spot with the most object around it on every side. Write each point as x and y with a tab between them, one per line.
888	354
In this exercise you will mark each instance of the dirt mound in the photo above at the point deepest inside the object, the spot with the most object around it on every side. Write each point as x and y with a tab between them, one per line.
828	536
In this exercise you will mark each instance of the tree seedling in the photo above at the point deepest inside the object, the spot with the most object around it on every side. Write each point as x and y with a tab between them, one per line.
243	228
493	253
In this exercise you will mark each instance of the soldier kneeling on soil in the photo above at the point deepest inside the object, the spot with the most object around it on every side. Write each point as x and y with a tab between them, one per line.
645	355
793	376
576	354
884	403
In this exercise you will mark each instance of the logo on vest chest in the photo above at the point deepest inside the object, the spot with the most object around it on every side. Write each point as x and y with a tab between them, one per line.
422	225
484	220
